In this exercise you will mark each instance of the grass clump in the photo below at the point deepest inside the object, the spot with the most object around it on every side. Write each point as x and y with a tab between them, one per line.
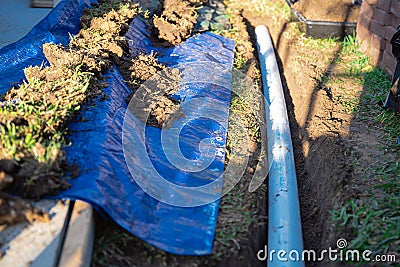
356	61
33	127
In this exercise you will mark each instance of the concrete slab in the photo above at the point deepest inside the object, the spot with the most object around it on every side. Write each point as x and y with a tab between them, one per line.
67	239
17	18
78	244
24	243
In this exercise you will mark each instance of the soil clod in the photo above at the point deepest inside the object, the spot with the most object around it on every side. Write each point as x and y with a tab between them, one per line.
176	22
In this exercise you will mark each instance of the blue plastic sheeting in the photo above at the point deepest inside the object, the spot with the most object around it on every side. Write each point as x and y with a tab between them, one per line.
106	179
54	28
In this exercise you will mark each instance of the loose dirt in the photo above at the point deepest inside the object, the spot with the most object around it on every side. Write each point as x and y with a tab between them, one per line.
15	210
176	22
36	167
335	10
154	105
32	163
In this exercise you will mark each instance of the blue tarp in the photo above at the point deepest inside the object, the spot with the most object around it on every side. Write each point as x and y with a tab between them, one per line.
28	51
115	151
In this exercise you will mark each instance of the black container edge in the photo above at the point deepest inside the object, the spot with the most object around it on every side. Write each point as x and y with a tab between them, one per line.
323	29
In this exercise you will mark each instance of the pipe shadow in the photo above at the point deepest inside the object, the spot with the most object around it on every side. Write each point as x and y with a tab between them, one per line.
326	169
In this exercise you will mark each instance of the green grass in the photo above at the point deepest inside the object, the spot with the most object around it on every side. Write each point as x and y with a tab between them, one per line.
319	43
350	44
31	127
373	220
358	61
376	225
376	87
236	217
238	210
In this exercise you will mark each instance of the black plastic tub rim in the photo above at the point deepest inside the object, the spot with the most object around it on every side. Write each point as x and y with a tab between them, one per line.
322	29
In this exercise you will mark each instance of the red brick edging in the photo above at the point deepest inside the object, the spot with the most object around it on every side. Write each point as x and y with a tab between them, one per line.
377	22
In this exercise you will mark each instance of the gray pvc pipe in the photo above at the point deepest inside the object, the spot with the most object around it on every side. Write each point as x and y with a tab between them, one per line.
285	242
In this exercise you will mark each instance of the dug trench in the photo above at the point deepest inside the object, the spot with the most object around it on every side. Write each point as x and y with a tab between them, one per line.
50	97
322	165
331	167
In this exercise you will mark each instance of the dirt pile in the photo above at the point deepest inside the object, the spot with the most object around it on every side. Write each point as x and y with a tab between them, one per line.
176	22
32	160
153	104
15	210
334	10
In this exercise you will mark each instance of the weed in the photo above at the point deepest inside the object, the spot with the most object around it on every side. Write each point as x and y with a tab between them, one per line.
317	43
350	44
375	224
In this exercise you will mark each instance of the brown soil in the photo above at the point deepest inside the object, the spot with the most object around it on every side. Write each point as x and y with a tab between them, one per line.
176	22
99	45
334	10
154	106
15	210
71	80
